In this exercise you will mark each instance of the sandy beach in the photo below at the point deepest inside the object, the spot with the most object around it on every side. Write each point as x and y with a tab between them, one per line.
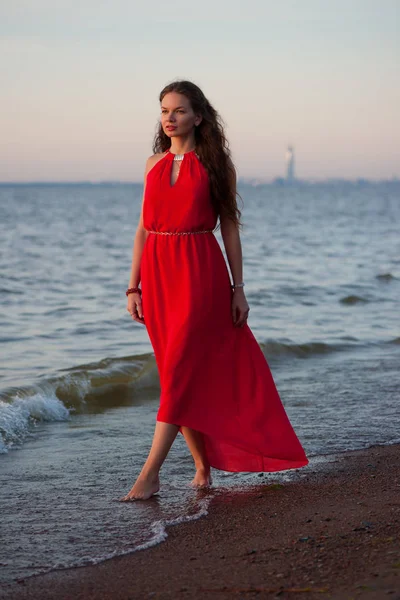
332	533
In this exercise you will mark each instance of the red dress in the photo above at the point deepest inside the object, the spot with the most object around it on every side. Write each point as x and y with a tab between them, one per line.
214	377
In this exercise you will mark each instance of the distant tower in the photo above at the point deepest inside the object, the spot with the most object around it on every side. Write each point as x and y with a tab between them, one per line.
290	164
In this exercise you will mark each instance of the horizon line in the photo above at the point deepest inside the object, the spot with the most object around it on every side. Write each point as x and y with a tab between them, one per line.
253	180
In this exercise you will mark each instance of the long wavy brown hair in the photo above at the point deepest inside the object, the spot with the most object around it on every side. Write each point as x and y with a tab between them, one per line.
212	148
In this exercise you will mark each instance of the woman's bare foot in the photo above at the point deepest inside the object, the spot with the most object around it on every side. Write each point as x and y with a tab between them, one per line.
143	489
202	478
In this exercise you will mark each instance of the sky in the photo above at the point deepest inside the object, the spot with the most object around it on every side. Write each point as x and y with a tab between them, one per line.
80	83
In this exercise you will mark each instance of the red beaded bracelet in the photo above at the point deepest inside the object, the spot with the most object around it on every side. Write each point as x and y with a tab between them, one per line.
133	291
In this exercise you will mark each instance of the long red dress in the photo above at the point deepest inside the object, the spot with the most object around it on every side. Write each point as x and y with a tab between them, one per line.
214	377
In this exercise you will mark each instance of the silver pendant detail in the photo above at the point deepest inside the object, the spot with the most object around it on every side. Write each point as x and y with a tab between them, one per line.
179	156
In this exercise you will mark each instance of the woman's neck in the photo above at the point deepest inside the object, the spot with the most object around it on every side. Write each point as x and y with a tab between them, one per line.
181	146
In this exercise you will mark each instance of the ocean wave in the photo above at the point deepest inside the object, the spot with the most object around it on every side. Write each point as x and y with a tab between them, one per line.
353	299
18	417
98	386
110	383
385	277
90	388
272	349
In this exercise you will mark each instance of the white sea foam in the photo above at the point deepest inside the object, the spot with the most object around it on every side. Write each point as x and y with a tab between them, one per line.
159	532
18	416
159	528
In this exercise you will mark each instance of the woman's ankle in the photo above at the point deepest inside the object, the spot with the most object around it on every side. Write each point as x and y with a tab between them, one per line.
201	466
150	473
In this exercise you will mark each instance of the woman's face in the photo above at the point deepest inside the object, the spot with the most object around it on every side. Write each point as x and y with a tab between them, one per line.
177	116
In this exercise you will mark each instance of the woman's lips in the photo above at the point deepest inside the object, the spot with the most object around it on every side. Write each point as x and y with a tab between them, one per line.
170	127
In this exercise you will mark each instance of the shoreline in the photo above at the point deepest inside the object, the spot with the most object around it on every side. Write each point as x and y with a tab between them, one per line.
332	532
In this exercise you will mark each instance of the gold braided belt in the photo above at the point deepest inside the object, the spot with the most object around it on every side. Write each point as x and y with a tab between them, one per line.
179	232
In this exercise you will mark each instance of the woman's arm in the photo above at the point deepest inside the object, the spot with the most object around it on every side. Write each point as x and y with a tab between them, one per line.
134	305
233	248
139	240
138	245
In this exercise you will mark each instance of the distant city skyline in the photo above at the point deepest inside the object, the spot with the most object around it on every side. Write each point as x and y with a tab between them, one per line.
80	87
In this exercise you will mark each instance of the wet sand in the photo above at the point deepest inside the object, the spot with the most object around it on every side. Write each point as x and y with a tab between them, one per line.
333	533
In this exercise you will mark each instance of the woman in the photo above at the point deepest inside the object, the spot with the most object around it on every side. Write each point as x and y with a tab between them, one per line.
216	386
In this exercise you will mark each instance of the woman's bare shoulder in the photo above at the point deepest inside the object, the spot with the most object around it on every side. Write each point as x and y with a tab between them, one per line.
153	159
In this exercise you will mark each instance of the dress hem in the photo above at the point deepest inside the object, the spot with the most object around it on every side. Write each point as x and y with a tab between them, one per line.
280	464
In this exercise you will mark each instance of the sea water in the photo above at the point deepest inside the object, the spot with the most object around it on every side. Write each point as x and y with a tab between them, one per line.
78	381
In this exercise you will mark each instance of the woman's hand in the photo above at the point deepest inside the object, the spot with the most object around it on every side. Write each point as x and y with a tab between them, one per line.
134	307
240	308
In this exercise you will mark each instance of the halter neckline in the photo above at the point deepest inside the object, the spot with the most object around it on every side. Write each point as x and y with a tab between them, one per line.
180	153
